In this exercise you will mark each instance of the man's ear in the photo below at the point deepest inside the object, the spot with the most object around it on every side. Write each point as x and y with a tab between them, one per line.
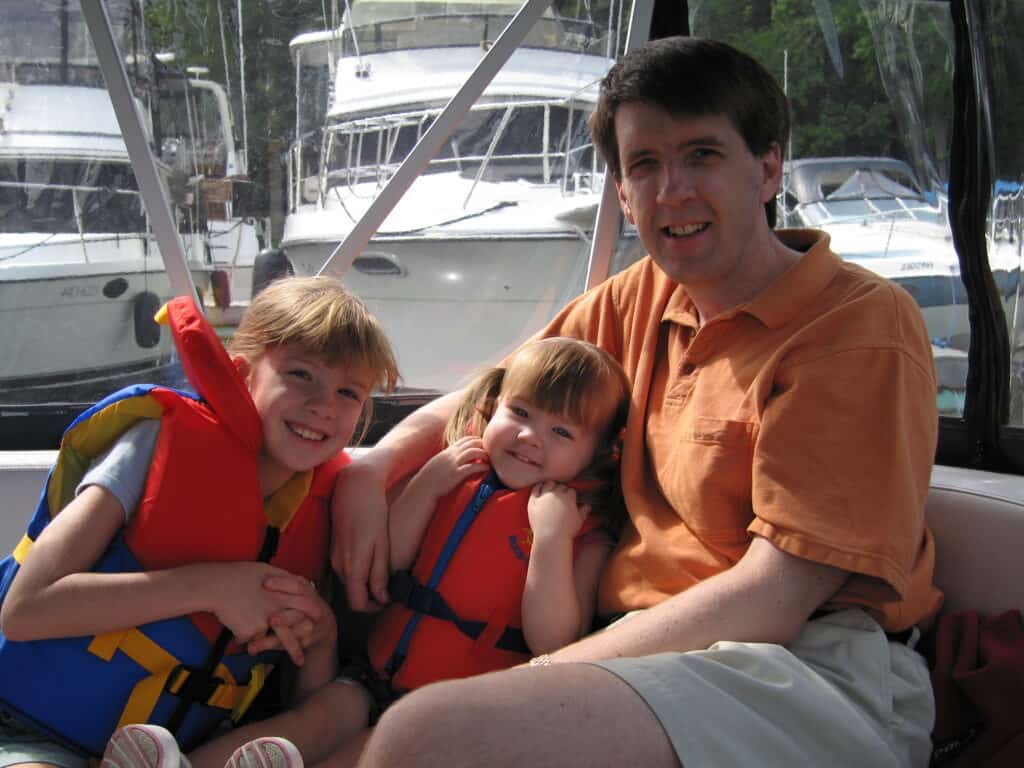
624	203
771	172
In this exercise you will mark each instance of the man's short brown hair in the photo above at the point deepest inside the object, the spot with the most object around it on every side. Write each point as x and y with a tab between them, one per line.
694	77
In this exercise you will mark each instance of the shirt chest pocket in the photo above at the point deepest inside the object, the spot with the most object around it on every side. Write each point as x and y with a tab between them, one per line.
708	481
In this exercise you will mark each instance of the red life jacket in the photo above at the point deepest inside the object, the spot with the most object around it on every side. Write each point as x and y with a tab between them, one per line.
201	503
482	582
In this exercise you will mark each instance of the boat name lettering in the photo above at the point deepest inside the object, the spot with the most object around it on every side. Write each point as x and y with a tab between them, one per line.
79	292
909	265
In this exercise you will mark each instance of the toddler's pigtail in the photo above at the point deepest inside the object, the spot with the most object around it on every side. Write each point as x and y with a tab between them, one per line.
476	407
605	496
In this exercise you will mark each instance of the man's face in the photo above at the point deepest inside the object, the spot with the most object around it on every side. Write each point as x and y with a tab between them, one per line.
694	191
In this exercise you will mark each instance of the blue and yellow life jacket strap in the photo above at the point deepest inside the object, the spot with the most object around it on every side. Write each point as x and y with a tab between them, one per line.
21	550
167	673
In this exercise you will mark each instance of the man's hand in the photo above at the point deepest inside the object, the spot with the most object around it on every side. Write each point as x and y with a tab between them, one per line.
359	547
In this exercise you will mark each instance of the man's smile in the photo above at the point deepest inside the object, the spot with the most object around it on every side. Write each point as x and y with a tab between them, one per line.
686	229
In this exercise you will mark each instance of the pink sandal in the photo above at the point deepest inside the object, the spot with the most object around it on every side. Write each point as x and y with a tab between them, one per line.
266	752
143	746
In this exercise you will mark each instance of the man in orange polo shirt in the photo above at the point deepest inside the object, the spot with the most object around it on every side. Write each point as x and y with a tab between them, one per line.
775	467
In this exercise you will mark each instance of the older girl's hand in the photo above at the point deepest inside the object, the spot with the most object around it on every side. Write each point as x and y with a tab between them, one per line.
293	629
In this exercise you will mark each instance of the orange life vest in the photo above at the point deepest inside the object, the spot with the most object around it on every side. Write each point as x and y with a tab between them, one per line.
479	574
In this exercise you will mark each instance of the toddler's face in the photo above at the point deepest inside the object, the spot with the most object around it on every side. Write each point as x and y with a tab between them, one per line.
528	445
309	410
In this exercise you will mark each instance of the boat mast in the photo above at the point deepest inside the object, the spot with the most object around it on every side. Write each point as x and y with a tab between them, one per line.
787	160
224	46
241	80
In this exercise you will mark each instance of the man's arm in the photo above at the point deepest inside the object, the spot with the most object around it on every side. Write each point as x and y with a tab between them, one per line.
766	597
359	548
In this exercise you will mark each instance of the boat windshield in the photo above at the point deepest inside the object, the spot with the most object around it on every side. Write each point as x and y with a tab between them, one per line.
535	141
817	192
68	196
46	42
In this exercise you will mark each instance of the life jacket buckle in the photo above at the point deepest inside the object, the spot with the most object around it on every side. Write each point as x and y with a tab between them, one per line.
192	683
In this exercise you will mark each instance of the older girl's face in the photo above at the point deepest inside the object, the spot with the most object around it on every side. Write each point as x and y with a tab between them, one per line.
309	410
528	445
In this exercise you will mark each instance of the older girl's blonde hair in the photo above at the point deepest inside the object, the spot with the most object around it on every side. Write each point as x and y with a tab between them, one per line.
316	316
561	375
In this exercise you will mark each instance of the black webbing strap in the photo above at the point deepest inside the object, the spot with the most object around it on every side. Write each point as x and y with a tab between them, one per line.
404	589
202	681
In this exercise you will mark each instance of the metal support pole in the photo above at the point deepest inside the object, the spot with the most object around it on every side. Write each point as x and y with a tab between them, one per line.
609	215
154	195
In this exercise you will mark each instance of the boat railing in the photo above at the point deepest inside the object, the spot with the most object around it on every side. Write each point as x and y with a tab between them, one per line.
447	29
92	211
542	141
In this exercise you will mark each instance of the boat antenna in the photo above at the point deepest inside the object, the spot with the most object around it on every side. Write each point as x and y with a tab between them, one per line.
612	45
355	42
241	80
224	46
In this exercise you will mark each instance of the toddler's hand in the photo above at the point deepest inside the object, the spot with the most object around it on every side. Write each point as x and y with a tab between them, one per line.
460	460
553	511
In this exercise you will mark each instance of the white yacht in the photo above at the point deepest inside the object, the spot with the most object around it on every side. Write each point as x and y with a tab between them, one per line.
498	224
80	270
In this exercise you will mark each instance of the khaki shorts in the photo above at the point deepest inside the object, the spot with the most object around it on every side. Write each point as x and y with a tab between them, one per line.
840	695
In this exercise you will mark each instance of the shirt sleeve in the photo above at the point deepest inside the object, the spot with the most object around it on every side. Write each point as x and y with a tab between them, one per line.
842	464
123	469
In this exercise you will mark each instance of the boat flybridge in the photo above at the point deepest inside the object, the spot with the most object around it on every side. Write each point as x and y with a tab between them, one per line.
922	83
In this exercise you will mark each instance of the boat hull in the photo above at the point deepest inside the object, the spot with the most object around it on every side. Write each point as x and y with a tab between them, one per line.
65	330
477	296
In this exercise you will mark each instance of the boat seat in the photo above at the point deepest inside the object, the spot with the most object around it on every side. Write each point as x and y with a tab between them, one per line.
978	522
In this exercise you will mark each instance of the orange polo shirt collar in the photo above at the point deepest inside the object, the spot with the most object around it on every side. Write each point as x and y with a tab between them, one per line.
783	298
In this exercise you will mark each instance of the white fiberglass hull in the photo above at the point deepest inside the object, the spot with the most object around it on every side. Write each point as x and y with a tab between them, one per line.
70	321
478	277
450	305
